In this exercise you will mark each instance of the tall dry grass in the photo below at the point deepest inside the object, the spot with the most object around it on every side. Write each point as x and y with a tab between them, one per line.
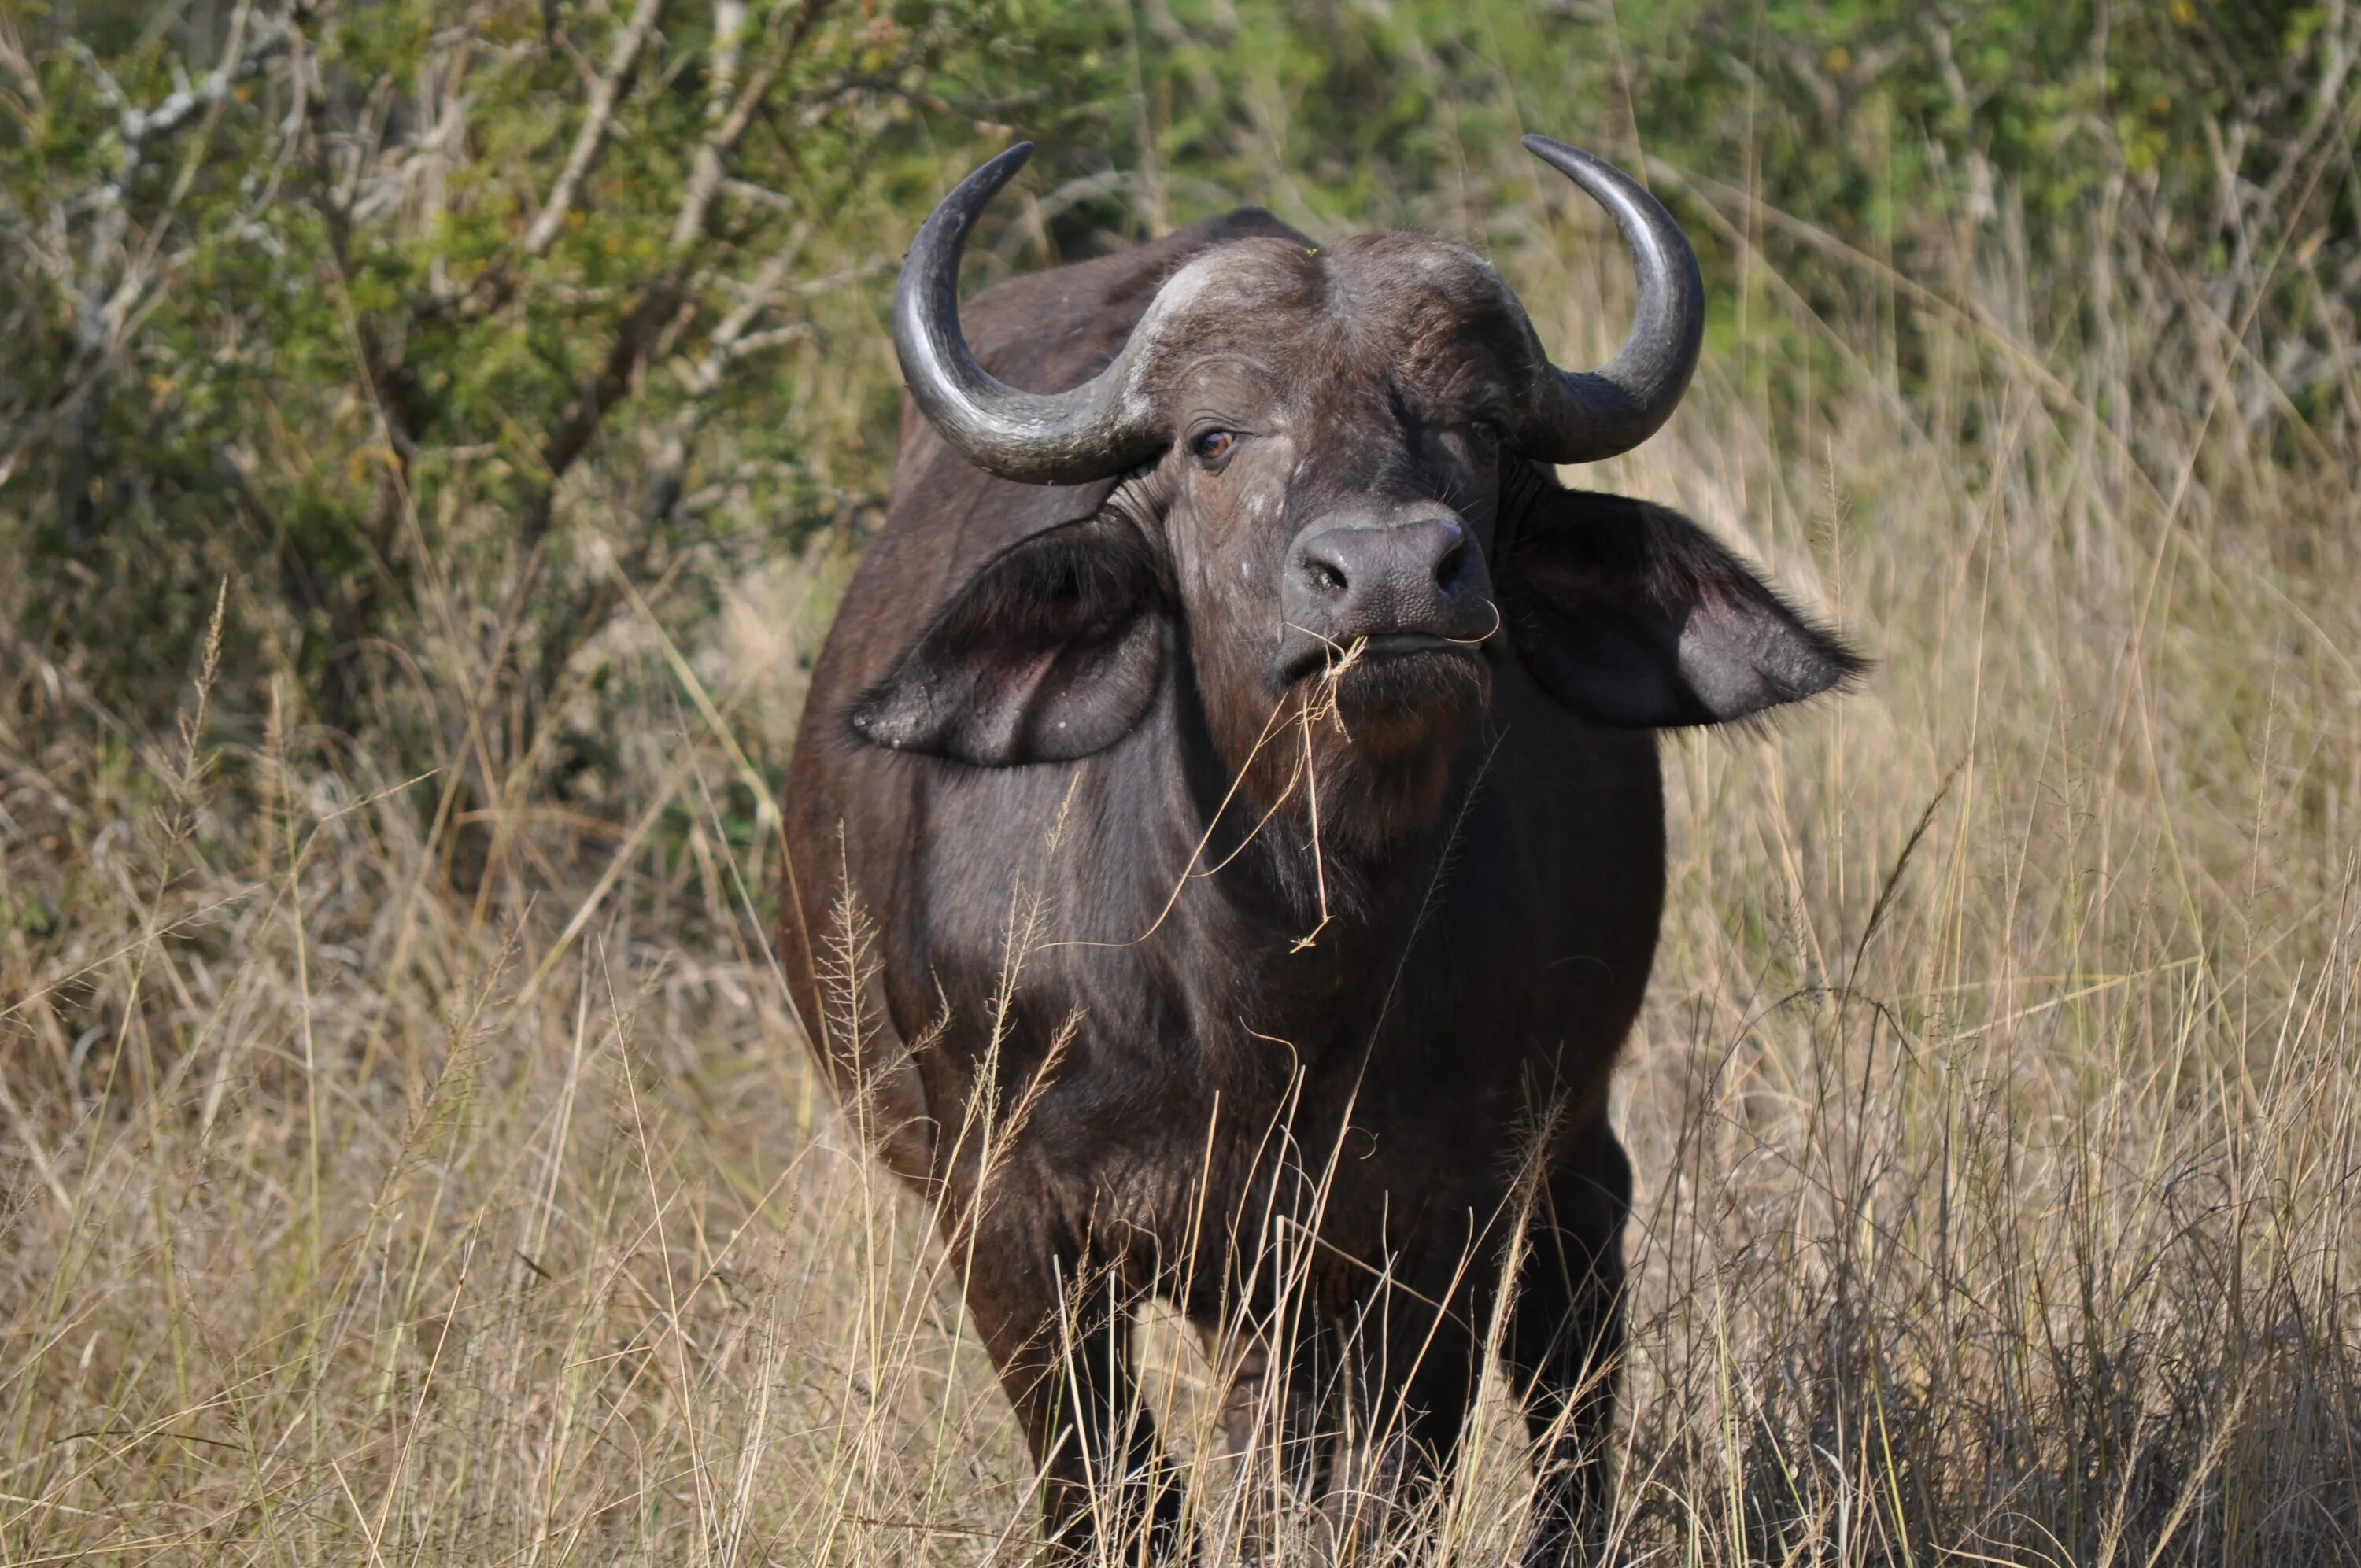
401	1173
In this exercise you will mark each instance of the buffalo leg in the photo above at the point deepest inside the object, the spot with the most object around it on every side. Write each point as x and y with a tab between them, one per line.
1065	1362
1564	1340
1277	1421
1411	1366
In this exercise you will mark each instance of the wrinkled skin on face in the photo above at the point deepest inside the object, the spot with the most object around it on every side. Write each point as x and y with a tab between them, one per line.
1345	393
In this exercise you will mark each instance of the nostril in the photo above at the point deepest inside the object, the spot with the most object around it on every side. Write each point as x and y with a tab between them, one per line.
1448	570
1324	575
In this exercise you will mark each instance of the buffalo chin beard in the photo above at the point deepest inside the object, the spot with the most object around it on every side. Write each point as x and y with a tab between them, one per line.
1393	705
1386	736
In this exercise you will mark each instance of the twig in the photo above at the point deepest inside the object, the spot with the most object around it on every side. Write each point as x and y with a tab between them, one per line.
591	139
139	126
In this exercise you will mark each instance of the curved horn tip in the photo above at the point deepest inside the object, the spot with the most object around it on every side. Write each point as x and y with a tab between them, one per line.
1600	413
982	183
1002	165
1585	168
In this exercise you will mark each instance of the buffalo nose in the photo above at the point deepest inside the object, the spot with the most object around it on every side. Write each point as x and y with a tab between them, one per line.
1372	579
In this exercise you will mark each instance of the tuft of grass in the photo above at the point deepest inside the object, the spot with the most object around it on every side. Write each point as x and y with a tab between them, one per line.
395	1172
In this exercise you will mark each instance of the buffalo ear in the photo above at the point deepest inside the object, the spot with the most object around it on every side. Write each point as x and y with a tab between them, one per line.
1629	614
1053	650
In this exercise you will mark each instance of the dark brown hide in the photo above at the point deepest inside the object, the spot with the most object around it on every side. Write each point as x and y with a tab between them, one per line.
1060	730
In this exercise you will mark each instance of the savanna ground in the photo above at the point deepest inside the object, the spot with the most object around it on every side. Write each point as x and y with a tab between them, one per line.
436	436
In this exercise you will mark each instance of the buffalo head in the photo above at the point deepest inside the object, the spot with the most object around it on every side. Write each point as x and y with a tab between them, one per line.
1334	505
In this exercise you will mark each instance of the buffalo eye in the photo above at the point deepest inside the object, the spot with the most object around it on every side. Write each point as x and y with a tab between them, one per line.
1212	448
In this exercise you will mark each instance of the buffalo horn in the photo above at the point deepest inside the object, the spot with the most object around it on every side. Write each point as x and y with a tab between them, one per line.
1065	438
1583	416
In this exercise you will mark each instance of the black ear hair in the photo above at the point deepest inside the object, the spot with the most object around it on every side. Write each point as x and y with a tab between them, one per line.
1629	614
1053	650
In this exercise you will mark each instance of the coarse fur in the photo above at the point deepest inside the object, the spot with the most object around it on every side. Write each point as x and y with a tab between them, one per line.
1162	901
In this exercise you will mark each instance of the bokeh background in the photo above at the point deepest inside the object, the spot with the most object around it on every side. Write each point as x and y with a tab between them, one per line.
432	435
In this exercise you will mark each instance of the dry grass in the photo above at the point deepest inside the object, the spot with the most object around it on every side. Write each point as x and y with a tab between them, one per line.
389	1182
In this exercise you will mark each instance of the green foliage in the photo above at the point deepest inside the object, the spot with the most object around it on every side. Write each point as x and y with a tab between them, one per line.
263	335
326	330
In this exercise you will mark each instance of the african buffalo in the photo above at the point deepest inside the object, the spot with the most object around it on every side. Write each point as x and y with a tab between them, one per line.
1225	837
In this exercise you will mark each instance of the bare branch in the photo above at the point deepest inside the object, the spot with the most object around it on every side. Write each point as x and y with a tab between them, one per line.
597	125
756	195
142	127
709	173
729	30
642	325
644	331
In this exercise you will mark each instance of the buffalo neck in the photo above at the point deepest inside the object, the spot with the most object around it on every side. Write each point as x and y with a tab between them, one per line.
1323	919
